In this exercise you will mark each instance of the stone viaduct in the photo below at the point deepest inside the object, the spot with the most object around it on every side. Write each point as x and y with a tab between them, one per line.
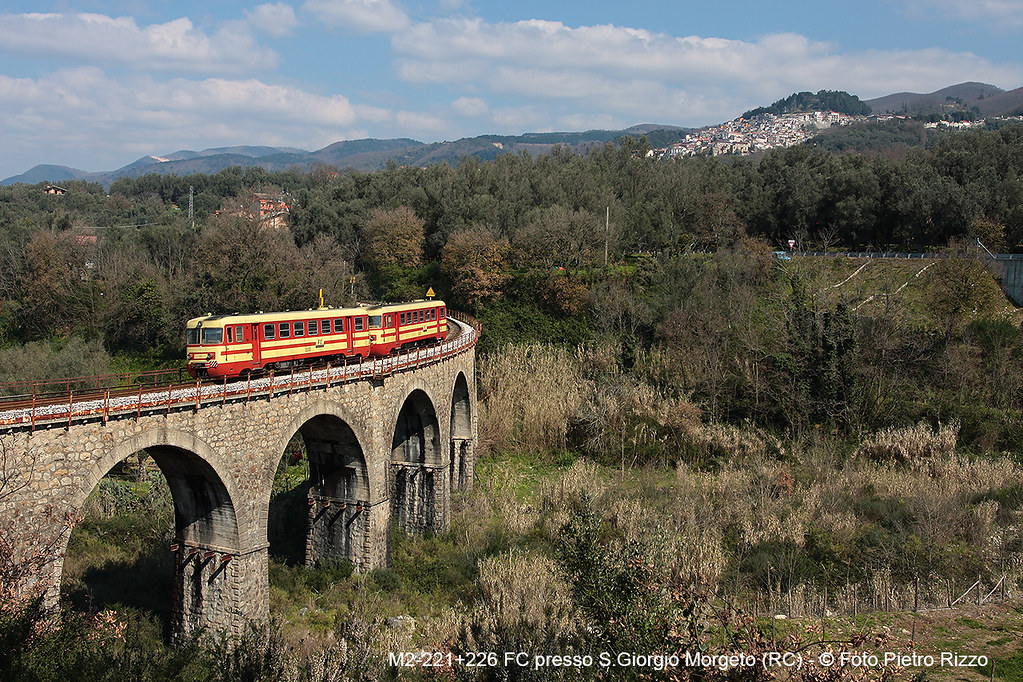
387	446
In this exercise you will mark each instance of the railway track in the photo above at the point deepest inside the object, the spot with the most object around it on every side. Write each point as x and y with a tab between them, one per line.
122	396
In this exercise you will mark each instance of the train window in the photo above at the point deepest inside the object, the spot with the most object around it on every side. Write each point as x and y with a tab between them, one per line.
239	334
442	314
388	320
358	323
285	329
213	335
193	337
401	318
374	321
268	331
299	329
230	334
339	325
324	326
312	327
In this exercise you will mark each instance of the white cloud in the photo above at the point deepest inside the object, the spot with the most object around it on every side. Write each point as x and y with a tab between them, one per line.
276	19
97	121
632	73
100	39
469	106
363	16
521	118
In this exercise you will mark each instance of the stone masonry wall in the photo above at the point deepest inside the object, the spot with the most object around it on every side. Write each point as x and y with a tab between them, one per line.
221	462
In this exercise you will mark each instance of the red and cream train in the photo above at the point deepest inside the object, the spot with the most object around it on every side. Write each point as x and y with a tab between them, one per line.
234	345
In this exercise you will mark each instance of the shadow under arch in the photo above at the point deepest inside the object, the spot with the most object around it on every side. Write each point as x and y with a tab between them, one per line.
417	480
209	555
460	456
338	513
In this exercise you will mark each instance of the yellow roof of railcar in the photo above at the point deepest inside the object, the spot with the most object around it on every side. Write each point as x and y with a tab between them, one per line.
402	307
284	316
310	314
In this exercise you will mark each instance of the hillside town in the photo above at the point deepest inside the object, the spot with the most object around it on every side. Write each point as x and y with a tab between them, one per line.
766	131
747	136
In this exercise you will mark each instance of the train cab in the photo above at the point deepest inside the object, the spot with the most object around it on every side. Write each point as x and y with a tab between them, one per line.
219	345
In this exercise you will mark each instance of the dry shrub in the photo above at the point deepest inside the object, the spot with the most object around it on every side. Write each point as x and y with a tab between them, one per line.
725	442
634	423
911	445
530	395
567	489
526	605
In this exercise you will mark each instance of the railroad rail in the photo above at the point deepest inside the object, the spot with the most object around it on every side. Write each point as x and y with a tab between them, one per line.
121	396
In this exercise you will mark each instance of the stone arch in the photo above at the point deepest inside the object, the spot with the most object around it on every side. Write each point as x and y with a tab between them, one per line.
418	485
460	458
212	560
416	438
340	514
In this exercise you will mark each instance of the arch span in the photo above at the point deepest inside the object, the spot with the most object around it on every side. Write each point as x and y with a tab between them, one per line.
210	554
460	454
418	484
339	511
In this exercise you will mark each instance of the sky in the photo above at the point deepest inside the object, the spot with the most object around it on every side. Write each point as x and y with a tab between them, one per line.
97	84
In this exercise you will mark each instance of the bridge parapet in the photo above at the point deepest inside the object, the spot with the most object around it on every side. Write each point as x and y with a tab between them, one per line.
119	403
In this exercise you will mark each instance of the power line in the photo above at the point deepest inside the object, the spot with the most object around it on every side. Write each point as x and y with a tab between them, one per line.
110	227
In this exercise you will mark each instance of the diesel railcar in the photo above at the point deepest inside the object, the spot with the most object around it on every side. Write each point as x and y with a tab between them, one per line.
235	345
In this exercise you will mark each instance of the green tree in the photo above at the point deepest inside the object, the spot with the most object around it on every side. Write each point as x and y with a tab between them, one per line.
393	251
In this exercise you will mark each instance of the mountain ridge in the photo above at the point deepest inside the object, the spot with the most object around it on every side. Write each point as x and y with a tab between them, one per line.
364	154
371	154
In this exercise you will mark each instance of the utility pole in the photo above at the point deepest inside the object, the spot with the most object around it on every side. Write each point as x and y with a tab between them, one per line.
191	206
607	231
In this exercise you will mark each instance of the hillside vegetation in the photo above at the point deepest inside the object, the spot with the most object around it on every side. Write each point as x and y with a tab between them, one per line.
823	100
683	436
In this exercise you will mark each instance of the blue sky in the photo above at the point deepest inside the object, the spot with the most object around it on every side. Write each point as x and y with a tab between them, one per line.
96	84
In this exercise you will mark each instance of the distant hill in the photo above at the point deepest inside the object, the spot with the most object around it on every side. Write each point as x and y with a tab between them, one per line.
373	154
47	173
823	100
364	155
986	99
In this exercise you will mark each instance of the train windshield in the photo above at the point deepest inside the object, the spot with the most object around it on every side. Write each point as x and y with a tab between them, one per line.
213	335
374	321
193	337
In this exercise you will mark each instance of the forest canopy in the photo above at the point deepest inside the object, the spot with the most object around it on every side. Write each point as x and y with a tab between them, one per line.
823	100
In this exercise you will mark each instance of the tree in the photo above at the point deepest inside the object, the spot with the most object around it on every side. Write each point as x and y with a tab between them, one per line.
560	236
475	260
241	266
393	250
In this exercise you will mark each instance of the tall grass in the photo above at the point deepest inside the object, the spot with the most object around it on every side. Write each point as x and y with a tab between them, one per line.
531	393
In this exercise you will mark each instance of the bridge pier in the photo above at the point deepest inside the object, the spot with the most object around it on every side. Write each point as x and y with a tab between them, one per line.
218	589
419	497
461	460
341	528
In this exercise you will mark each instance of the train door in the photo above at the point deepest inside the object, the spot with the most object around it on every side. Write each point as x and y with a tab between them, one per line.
256	355
342	327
